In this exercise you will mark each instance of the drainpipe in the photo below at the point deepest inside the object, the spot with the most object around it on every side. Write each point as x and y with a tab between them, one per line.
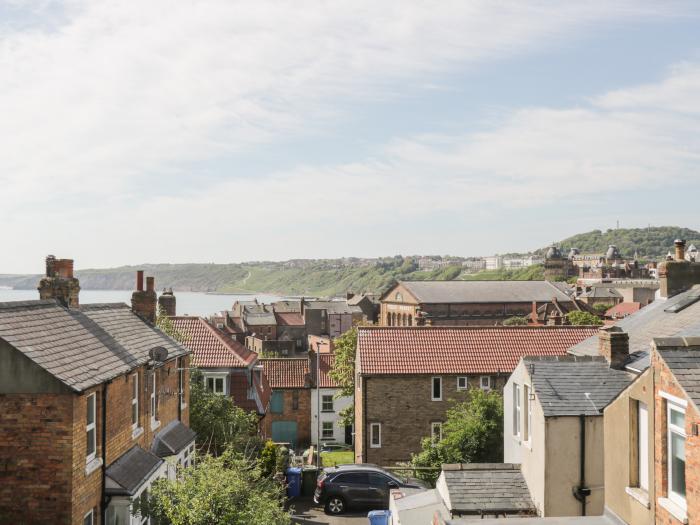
104	501
582	492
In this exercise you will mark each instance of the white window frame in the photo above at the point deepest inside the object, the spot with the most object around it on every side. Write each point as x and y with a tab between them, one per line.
154	400
222	376
432	388
91	426
90	515
181	383
436	425
466	383
323	402
516	410
527	432
135	400
486	387
323	430
671	429
375	427
643	446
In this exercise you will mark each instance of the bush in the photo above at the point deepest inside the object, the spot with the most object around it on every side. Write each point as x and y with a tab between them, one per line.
583	319
516	321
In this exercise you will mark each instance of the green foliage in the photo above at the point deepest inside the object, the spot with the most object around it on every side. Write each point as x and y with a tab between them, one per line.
343	371
219	424
602	308
651	243
338	457
168	327
516	321
473	433
531	273
578	318
268	458
226	490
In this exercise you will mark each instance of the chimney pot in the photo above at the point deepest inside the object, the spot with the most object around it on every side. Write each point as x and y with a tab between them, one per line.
139	281
614	346
680	249
150	284
59	282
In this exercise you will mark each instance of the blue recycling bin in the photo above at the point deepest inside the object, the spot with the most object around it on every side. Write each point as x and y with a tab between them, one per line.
293	482
379	517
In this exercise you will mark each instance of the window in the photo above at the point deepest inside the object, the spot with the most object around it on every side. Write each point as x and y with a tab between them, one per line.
89	518
375	435
181	382
327	430
528	413
354	478
216	383
154	399
135	401
295	400
90	429
642	446
327	403
277	402
485	382
516	410
675	461
436	431
399	297
462	383
437	389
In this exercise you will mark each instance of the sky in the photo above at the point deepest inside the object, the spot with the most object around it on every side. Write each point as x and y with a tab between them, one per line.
227	130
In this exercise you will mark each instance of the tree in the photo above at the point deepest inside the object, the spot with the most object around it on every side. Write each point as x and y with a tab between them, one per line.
167	326
219	424
343	371
578	318
226	490
516	321
473	433
602	308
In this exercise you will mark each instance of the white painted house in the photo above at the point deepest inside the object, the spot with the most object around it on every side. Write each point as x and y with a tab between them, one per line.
325	406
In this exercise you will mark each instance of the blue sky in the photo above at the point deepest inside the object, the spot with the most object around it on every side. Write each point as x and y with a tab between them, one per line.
226	131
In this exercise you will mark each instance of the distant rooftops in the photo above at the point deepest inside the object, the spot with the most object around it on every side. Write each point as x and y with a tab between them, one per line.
435	292
210	347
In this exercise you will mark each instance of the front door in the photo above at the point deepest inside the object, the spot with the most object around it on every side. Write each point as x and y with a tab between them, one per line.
285	432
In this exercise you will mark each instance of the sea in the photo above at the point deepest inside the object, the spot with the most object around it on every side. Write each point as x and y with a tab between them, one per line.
188	303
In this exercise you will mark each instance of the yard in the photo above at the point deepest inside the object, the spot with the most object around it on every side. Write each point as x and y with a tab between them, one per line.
338	457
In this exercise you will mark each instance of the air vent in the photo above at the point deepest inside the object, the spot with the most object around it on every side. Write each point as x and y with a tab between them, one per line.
683	303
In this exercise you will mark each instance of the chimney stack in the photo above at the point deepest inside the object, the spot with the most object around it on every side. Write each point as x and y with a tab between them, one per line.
614	346
680	249
59	282
143	303
167	302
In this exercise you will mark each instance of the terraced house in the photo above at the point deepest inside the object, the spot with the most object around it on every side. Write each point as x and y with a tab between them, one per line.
93	405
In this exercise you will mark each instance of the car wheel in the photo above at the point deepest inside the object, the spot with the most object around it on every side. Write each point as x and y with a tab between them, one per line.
335	505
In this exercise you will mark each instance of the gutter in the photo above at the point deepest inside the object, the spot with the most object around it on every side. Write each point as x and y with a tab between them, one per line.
582	491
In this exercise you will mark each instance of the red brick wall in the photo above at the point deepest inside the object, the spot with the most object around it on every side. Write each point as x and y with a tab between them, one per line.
302	415
35	458
665	381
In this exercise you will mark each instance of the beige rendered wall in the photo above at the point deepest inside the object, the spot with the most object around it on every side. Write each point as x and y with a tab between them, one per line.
562	463
620	451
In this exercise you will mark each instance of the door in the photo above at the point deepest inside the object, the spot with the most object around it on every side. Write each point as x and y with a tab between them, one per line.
353	488
285	432
348	434
379	488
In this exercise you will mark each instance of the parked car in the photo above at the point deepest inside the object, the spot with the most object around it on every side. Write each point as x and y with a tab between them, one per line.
353	486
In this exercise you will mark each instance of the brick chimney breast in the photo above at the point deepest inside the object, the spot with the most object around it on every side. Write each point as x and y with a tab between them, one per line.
143	302
167	302
614	346
59	282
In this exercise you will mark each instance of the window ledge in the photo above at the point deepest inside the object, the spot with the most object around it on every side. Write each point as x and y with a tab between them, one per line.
641	495
135	433
676	510
155	424
92	466
328	411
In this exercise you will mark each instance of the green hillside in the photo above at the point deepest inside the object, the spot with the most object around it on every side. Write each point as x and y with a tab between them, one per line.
652	243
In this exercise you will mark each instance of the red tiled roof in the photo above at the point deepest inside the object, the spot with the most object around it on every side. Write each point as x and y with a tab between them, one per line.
289	319
286	373
623	309
465	350
211	348
325	366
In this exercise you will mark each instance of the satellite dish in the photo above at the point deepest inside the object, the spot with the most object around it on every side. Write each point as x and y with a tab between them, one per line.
158	353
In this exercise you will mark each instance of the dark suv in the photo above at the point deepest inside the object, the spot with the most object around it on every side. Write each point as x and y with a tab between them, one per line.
368	486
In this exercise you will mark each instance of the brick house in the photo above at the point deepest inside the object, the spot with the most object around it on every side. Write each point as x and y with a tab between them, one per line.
407	378
288	419
464	303
93	405
227	367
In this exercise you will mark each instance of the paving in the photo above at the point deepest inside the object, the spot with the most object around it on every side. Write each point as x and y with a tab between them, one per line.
305	512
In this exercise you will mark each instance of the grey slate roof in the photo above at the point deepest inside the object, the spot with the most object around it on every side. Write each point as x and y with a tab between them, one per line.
431	292
682	356
261	319
172	439
605	519
333	307
602	293
81	348
649	322
562	383
476	488
130	471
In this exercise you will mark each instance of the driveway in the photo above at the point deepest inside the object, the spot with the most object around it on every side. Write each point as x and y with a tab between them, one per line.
305	513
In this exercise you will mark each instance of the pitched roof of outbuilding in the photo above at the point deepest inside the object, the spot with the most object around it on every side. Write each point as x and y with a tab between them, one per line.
131	470
82	348
487	488
571	385
287	372
210	347
459	349
431	292
172	439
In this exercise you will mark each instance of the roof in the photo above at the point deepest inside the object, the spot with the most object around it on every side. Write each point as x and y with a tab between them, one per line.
623	310
487	488
325	366
82	348
682	356
260	319
289	319
130	471
333	307
572	386
652	321
460	349
483	291
597	292
287	372
605	519
172	439
287	305
210	347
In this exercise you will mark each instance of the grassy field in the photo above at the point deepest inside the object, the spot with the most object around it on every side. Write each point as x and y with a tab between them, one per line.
341	457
